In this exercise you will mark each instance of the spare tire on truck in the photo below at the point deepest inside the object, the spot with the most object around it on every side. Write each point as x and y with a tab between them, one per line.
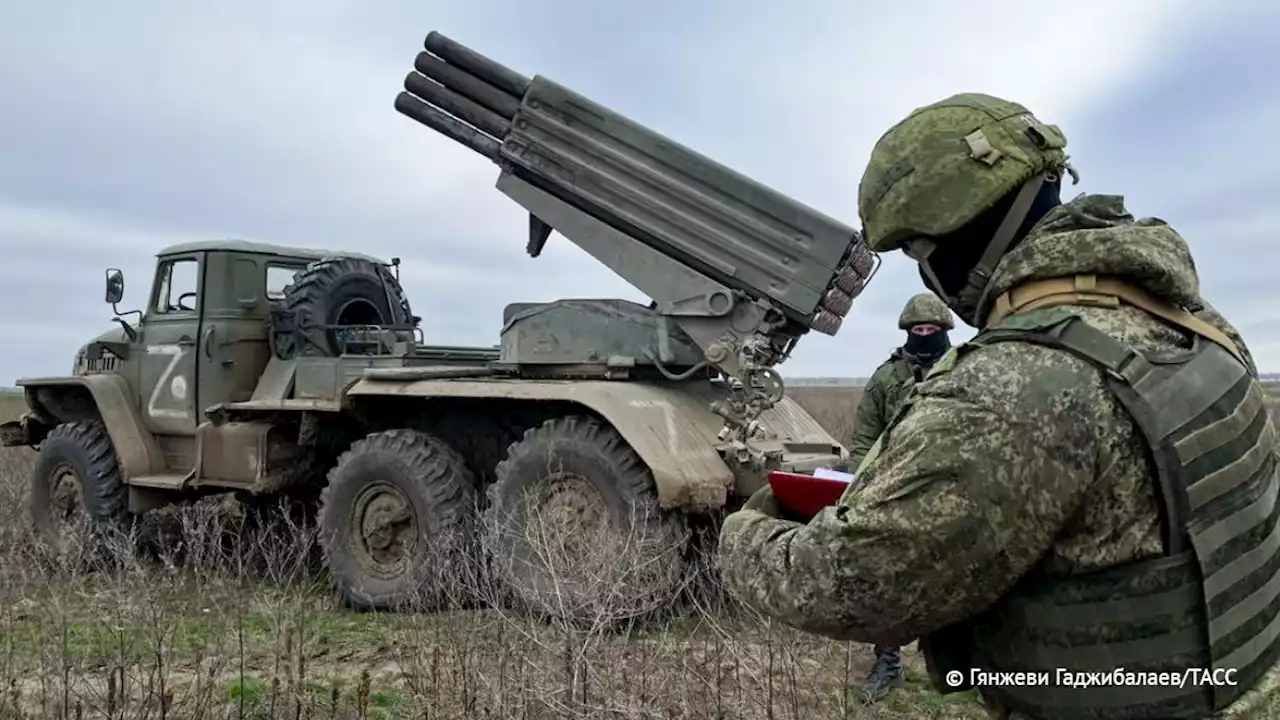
336	291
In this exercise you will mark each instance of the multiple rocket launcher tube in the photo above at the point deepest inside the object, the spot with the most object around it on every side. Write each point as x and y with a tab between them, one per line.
467	86
850	280
474	101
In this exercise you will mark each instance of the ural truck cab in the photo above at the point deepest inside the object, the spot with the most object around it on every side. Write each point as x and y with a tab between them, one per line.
203	337
202	340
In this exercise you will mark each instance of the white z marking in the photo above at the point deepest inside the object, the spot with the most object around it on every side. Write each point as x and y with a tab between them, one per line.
176	353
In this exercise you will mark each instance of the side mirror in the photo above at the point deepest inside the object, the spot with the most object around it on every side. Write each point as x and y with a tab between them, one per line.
115	286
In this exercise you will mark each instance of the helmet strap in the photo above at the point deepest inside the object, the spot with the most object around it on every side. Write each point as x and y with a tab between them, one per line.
933	283
976	291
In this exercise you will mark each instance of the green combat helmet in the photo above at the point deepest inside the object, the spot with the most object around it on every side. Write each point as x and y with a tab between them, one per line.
925	308
946	164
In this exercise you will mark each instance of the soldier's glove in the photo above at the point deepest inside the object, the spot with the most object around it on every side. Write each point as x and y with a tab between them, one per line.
763	501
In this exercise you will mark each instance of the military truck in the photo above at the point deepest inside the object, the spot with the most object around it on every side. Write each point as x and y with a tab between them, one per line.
267	370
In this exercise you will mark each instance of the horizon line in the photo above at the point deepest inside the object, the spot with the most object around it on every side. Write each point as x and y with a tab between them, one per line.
800	381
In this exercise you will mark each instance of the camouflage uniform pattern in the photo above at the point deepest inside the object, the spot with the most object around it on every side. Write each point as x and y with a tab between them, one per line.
940	192
881	397
892	380
925	308
1016	458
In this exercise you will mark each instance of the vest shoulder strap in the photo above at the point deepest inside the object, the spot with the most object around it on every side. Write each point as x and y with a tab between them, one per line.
1102	291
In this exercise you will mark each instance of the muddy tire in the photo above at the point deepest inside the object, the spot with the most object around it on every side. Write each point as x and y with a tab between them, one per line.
397	523
77	480
574	529
336	291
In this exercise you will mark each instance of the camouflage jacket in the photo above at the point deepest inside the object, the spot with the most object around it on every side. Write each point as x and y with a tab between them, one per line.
981	480
881	397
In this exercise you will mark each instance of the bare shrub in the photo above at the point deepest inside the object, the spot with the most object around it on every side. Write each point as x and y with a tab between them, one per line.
217	609
590	572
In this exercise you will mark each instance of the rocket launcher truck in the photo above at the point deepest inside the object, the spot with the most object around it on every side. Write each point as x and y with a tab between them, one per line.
282	372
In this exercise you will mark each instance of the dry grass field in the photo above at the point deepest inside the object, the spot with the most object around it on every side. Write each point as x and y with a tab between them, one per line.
832	406
241	626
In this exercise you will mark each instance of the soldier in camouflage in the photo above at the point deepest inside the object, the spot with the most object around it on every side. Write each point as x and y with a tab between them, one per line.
1087	486
926	320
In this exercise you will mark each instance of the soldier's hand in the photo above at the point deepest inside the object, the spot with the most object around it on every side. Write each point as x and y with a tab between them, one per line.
764	501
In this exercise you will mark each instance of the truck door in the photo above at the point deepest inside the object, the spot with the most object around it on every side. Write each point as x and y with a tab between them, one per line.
168	374
235	348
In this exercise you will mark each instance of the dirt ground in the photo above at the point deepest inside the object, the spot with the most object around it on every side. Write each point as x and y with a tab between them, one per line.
225	642
251	631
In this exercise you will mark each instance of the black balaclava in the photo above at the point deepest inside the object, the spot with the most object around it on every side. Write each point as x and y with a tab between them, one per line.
927	348
957	254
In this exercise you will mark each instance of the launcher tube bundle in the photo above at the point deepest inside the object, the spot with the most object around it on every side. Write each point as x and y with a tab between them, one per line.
743	269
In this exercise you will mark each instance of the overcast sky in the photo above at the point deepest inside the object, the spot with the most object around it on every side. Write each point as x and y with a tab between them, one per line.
130	125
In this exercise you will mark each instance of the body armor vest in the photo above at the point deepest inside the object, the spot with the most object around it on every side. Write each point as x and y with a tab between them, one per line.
905	371
1210	604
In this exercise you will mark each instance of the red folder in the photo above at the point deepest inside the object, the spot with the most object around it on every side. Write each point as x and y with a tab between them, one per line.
805	495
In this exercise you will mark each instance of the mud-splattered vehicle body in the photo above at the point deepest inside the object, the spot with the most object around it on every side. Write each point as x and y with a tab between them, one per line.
269	370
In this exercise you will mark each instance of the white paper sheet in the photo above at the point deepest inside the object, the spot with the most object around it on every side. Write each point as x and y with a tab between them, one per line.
829	474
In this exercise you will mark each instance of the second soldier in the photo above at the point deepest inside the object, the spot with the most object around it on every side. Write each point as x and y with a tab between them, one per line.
926	320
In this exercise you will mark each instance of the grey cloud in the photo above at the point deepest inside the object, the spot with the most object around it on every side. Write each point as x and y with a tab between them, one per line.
149	123
1186	140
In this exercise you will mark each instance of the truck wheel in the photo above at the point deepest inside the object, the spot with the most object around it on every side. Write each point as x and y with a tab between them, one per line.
77	480
396	522
338	291
574	527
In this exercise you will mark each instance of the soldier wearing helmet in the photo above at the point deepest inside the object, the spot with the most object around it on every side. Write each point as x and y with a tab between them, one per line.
1088	486
926	321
